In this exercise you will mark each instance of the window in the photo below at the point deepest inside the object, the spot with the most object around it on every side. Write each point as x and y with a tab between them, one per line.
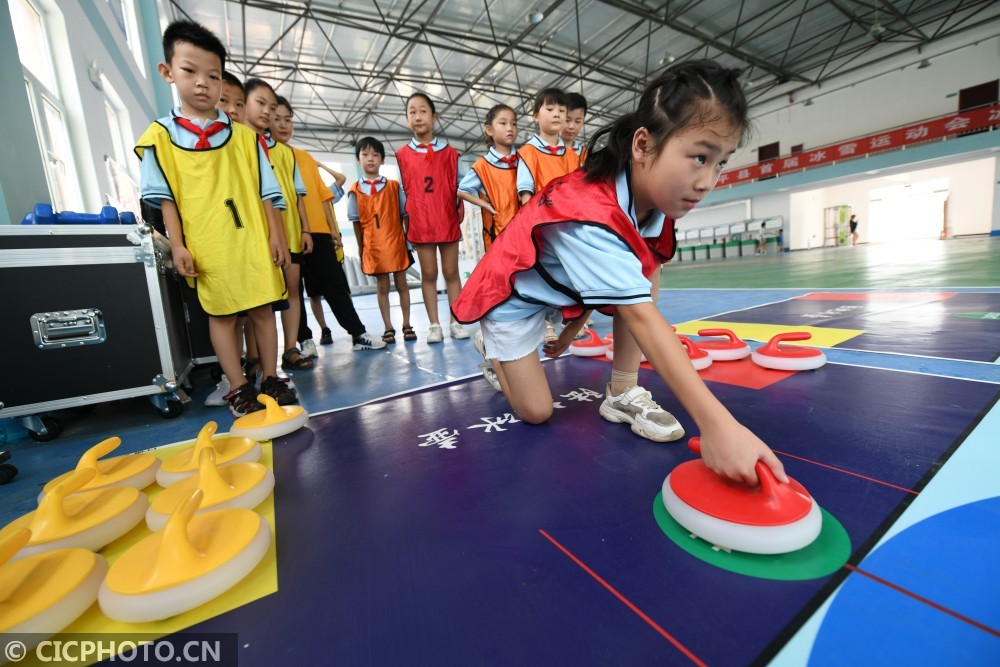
123	191
47	109
123	12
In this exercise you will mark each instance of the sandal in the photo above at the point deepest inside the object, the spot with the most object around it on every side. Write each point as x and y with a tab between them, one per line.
409	333
292	360
389	336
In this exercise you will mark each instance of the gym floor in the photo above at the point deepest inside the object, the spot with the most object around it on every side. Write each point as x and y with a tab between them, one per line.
535	544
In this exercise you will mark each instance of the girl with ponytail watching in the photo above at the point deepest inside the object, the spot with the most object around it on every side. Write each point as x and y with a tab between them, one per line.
595	238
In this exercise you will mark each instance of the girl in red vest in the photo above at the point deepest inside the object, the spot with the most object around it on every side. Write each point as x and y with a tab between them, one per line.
491	184
595	239
428	171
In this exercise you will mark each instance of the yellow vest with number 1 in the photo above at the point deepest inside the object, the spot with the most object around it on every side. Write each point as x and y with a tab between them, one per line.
217	193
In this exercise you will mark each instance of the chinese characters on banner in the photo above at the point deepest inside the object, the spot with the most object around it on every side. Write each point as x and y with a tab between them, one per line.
443	438
936	128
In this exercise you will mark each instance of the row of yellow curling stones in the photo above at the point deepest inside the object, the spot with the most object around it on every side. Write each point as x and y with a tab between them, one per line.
205	538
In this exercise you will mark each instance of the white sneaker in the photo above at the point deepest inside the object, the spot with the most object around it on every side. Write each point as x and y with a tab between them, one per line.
434	334
458	332
636	406
309	349
218	397
486	365
366	341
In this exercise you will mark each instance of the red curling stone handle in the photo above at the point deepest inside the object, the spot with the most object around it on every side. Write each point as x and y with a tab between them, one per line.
769	484
772	501
720	332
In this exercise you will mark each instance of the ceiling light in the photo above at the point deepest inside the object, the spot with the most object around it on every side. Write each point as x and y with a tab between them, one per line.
808	102
924	64
877	30
536	17
667	58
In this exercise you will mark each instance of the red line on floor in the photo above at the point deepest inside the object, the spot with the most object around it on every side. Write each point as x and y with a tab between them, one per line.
846	472
666	635
920	598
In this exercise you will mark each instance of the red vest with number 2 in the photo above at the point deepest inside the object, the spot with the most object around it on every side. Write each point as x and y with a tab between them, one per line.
431	185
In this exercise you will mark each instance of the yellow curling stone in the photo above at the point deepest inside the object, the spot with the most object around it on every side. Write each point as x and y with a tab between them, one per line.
232	449
135	470
89	520
272	422
234	485
42	594
194	559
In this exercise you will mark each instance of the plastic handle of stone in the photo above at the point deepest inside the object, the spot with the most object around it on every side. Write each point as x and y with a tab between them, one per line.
719	332
772	345
768	482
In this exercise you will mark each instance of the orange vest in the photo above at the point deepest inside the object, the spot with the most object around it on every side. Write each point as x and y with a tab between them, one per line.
500	187
544	166
383	240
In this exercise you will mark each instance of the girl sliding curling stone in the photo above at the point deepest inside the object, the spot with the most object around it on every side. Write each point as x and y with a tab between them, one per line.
595	239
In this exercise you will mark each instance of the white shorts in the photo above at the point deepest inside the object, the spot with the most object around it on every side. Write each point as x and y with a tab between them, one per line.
509	341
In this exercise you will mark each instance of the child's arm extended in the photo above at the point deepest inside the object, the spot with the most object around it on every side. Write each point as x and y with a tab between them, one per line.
476	201
338	177
276	235
332	224
183	261
307	242
728	447
557	347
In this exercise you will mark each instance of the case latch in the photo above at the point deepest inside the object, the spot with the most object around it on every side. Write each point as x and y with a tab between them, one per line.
68	328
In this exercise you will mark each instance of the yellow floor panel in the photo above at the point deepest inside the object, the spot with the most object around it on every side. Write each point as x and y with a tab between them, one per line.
821	336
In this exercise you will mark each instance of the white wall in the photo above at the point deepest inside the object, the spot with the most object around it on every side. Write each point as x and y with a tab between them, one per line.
805	220
721	214
970	203
868	103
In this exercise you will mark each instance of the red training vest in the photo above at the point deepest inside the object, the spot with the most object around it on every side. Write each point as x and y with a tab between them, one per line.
570	198
432	204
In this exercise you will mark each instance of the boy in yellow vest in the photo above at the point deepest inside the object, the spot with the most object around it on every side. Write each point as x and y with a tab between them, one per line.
212	180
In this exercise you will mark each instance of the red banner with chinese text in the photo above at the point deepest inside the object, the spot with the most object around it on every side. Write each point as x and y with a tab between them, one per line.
936	128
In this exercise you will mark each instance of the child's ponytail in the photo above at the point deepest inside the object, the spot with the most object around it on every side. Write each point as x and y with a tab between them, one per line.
616	152
686	94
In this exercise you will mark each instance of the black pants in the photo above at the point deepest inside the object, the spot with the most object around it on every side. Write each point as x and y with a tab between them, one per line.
324	276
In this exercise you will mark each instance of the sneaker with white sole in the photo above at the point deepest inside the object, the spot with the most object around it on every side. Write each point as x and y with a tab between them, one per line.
258	380
434	334
365	341
309	349
218	397
488	372
636	406
457	331
243	401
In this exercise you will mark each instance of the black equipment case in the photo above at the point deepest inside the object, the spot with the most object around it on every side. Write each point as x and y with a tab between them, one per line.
90	314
